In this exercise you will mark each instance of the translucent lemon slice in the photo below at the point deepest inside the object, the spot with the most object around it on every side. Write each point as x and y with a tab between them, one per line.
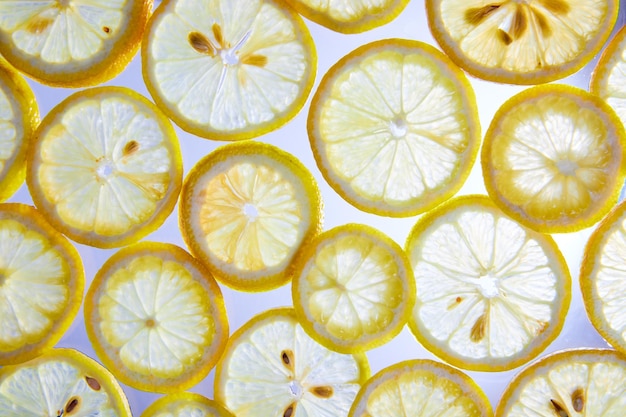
609	76
185	404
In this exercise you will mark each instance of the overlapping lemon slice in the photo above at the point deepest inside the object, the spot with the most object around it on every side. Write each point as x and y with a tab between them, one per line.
553	158
105	168
521	42
61	383
491	294
271	368
420	388
228	69
72	43
156	317
353	289
394	127
185	404
609	76
41	284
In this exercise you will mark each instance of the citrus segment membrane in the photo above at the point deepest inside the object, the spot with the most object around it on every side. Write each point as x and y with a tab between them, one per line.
394	127
185	404
491	294
41	284
156	318
353	288
228	69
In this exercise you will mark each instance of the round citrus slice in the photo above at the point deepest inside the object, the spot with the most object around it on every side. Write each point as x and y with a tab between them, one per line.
394	127
19	117
420	388
552	158
271	368
577	382
156	317
609	77
246	210
41	284
349	16
105	167
186	404
60	383
353	289
72	43
521	42
491	294
228	69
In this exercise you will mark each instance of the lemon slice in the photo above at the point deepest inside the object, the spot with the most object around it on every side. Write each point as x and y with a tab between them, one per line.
105	168
156	318
577	382
349	16
553	157
72	43
271	368
41	284
608	79
420	388
228	69
246	210
185	404
394	127
19	116
353	289
491	294
61	383
521	42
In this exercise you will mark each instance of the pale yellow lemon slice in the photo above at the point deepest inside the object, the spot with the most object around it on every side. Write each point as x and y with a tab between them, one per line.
185	404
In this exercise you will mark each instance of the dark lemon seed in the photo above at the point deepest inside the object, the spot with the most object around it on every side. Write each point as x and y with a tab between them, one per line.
558	409
578	400
475	15
201	44
93	383
478	329
71	405
323	392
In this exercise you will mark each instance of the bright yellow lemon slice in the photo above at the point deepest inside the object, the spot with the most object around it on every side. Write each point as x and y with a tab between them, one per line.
185	404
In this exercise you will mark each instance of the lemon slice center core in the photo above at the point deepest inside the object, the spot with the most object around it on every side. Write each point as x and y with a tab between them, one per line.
567	167
296	389
488	285
251	212
104	169
398	127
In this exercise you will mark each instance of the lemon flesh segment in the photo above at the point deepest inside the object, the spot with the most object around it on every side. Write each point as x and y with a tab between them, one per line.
185	404
106	167
353	289
552	158
271	368
517	42
228	69
62	382
156	318
491	294
394	127
579	382
246	211
41	284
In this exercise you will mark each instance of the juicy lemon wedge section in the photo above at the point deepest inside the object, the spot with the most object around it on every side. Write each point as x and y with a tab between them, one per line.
552	158
185	404
521	42
420	388
105	168
246	210
352	289
228	69
41	284
61	382
156	318
271	368
72	43
394	127
491	294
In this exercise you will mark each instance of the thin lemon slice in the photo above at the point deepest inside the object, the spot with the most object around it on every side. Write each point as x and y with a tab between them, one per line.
353	289
105	168
394	127
185	404
349	16
271	368
19	116
61	383
552	158
609	76
156	317
228	69
246	210
521	42
491	294
577	382
72	43
41	284
420	388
